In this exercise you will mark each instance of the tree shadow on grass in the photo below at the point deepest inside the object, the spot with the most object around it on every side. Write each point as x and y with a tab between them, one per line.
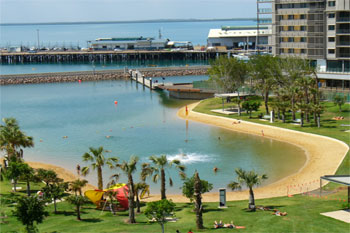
65	213
184	206
93	220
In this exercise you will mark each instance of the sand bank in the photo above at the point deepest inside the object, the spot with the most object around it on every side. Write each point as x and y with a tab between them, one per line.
324	155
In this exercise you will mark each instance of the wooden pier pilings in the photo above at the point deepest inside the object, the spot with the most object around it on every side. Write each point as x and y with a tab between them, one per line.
103	56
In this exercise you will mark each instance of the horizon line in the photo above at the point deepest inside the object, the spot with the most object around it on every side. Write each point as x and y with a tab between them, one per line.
131	21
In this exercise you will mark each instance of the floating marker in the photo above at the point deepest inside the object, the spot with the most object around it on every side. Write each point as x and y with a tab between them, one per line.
79	80
115	102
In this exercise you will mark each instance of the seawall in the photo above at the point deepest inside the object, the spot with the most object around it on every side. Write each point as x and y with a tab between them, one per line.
99	75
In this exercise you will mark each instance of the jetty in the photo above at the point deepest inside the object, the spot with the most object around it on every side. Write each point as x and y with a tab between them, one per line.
176	90
106	56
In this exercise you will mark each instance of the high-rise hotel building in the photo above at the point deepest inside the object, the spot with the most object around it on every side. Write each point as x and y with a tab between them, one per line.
315	29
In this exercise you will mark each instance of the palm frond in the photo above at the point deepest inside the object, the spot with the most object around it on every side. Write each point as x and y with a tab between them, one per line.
85	171
234	185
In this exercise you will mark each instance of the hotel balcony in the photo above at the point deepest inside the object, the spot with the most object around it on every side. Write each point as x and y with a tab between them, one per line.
343	20
298	45
265	11
294	22
265	21
343	31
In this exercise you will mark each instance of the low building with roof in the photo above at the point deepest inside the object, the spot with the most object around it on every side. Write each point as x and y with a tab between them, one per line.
240	37
124	43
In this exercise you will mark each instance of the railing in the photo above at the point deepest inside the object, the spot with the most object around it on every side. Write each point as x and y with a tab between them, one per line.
343	31
265	10
343	43
344	55
265	21
343	19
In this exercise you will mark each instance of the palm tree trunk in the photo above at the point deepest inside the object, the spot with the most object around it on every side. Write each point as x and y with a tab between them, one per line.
28	188
14	185
162	188
131	200
301	119
266	100
284	117
78	212
251	199
54	204
198	201
138	203
318	121
99	177
293	110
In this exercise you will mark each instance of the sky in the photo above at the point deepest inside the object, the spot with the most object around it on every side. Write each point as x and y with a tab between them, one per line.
38	11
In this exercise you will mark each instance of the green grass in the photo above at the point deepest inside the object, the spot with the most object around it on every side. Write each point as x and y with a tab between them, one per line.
303	216
303	211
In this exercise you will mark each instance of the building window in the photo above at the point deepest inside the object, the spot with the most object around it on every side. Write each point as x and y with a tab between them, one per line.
331	39
331	15
331	27
302	16
331	51
331	3
302	28
303	51
290	39
290	50
290	28
302	39
290	16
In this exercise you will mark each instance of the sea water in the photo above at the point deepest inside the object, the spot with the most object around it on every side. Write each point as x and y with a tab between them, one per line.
73	35
66	119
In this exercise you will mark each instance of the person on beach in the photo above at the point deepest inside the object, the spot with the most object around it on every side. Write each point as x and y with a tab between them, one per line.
186	111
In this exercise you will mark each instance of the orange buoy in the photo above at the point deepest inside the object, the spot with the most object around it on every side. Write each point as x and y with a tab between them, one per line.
115	102
79	80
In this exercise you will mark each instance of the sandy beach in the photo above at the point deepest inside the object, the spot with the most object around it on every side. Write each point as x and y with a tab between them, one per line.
324	155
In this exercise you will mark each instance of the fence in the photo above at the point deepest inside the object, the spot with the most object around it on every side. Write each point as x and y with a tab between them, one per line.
329	95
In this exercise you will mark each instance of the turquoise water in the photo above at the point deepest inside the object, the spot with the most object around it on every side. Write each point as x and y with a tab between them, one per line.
143	123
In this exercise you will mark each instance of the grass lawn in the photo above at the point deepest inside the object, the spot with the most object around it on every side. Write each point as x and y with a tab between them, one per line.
303	211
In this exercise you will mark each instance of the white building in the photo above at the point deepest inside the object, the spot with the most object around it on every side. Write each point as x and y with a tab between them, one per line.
138	43
243	37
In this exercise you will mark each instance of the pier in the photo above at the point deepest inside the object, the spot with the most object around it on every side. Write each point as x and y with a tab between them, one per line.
105	56
176	90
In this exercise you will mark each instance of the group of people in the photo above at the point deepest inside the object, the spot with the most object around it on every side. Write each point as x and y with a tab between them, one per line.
338	118
275	211
225	225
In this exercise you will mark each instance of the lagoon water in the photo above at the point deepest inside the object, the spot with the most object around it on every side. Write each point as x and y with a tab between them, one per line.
143	123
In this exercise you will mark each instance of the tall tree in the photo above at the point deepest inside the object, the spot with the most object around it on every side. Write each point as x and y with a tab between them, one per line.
129	168
250	179
97	159
160	164
339	100
229	74
188	187
265	70
12	138
29	210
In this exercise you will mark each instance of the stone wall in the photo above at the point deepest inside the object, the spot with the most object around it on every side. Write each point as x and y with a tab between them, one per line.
98	75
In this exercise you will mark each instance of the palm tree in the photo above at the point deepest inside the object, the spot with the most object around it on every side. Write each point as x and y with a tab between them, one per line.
78	201
160	164
77	185
48	176
249	179
28	175
198	200
12	138
97	159
128	168
139	188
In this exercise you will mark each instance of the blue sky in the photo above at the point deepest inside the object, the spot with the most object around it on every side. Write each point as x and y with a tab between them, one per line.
29	11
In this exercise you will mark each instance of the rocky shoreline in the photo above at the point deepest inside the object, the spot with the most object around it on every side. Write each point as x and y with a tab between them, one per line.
99	75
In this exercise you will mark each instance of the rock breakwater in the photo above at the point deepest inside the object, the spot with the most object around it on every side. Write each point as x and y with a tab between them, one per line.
99	75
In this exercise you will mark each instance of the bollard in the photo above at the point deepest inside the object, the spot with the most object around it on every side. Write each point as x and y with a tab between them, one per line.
150	83
143	80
